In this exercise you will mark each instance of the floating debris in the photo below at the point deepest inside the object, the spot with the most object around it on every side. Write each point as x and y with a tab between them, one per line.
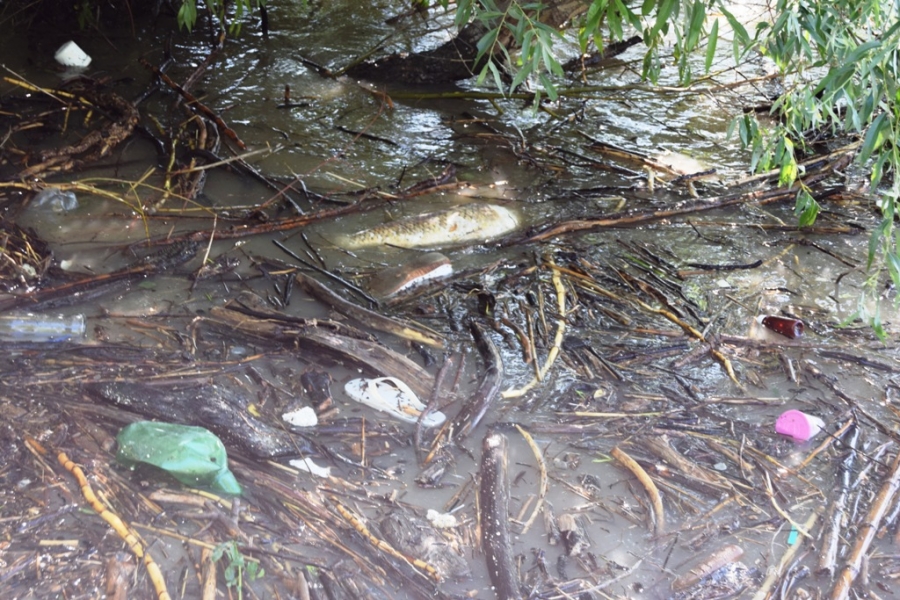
421	269
799	425
450	227
192	455
390	395
789	328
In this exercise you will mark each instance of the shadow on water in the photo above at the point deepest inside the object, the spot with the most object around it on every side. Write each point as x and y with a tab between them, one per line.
619	364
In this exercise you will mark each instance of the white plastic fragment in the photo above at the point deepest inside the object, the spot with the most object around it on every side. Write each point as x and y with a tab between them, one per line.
56	200
306	464
71	55
441	520
390	395
305	417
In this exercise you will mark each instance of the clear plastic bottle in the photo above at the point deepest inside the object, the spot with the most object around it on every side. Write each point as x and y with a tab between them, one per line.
30	327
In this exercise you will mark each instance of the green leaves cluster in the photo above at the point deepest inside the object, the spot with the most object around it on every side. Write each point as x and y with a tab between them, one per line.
685	21
535	40
187	13
841	60
237	566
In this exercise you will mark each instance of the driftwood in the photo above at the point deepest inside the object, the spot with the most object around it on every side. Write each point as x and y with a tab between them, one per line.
470	415
493	499
833	531
220	409
867	530
636	217
360	352
91	286
712	563
659	513
121	118
367	317
194	102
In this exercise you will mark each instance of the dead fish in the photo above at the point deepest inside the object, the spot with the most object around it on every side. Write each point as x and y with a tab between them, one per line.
468	223
422	268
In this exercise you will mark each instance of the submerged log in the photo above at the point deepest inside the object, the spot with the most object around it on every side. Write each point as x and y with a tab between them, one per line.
220	409
367	317
367	354
476	406
493	498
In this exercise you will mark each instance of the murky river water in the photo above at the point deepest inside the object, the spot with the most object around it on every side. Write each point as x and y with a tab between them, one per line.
629	374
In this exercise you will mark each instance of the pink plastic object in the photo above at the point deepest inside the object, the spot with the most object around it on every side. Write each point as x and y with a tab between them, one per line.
798	425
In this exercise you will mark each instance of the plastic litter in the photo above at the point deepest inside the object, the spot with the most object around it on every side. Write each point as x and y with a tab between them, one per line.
30	327
306	464
304	417
390	395
55	199
192	455
71	55
441	520
798	425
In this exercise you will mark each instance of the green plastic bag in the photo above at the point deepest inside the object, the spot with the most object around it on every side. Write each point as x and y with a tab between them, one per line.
192	455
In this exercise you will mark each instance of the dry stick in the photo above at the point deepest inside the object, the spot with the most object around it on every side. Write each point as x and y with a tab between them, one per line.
660	447
776	572
365	316
628	218
690	330
376	357
208	587
693	332
360	527
652	491
471	413
868	528
493	500
771	493
545	480
431	405
220	123
831	538
117	525
715	561
557	341
827	443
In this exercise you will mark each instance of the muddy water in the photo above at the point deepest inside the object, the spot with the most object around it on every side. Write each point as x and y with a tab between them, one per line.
514	157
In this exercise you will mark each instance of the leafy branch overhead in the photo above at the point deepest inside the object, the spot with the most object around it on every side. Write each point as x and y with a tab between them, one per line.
836	60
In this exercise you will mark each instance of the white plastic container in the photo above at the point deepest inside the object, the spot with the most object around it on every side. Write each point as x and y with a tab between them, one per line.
70	55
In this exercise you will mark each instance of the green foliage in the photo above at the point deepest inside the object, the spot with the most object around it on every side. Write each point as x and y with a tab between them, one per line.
534	39
187	13
851	48
237	566
839	59
659	21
